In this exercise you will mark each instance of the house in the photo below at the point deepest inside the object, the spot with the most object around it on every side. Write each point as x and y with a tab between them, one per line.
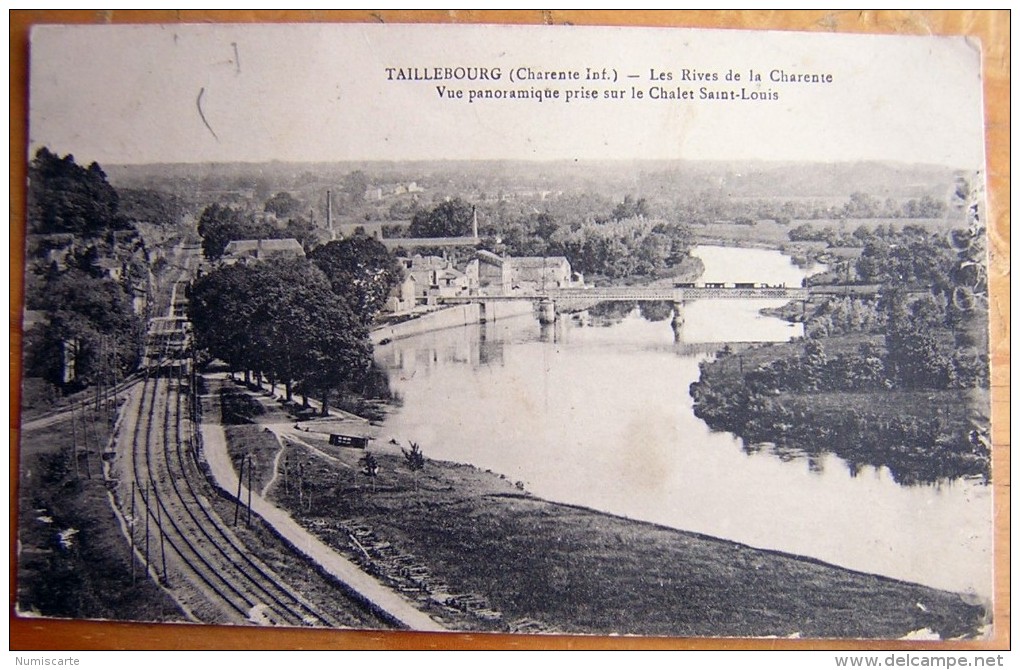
536	273
402	297
253	251
493	273
50	249
435	277
505	275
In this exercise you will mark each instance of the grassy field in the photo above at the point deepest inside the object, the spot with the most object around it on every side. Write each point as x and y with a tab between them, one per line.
256	446
768	233
475	536
765	233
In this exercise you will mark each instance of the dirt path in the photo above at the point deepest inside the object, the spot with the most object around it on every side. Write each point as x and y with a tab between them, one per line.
276	467
295	438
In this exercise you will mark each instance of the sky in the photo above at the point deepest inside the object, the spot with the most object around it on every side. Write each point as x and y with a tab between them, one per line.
201	93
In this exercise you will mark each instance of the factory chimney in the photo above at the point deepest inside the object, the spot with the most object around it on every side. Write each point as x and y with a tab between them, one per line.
329	215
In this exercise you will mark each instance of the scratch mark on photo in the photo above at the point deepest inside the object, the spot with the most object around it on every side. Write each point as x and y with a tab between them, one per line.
198	104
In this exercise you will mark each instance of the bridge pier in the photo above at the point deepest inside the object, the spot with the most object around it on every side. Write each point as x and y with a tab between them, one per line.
678	320
546	312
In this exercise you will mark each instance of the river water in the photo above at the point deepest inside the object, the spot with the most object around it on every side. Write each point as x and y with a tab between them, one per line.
598	413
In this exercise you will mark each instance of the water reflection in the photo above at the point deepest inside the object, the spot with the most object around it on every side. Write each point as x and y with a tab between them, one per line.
595	410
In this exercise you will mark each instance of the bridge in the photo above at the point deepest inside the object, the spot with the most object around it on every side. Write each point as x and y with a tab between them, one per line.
643	293
678	295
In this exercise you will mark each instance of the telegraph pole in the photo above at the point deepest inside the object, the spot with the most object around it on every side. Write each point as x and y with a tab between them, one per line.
162	546
237	499
249	489
74	440
95	434
145	500
132	554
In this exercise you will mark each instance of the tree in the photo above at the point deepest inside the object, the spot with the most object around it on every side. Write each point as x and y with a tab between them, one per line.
925	208
218	225
283	205
814	362
336	350
282	319
415	460
861	206
369	468
361	270
151	206
221	309
630	208
64	197
289	291
314	336
917	358
452	218
82	311
354	187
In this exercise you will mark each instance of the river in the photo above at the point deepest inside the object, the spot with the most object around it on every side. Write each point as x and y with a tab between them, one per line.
596	412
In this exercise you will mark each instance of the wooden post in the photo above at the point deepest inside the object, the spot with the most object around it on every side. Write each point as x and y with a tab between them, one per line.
250	468
237	503
116	391
145	500
99	380
95	434
74	441
133	519
162	546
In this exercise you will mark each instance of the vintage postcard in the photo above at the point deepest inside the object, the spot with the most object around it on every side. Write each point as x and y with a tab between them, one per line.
512	329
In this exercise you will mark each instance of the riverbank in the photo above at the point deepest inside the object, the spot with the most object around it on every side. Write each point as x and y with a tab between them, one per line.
920	435
477	552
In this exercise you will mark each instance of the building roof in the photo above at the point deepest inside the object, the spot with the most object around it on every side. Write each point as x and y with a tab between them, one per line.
419	262
489	257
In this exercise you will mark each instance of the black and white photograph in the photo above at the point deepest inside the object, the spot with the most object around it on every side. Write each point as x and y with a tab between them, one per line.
537	330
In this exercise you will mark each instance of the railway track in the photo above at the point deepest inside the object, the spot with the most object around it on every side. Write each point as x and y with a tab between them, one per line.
188	546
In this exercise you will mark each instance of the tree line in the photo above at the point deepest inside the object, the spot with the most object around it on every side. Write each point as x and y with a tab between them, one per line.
302	323
597	236
219	224
922	338
82	286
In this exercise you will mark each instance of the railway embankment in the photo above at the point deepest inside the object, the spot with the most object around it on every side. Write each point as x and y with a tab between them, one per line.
73	557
